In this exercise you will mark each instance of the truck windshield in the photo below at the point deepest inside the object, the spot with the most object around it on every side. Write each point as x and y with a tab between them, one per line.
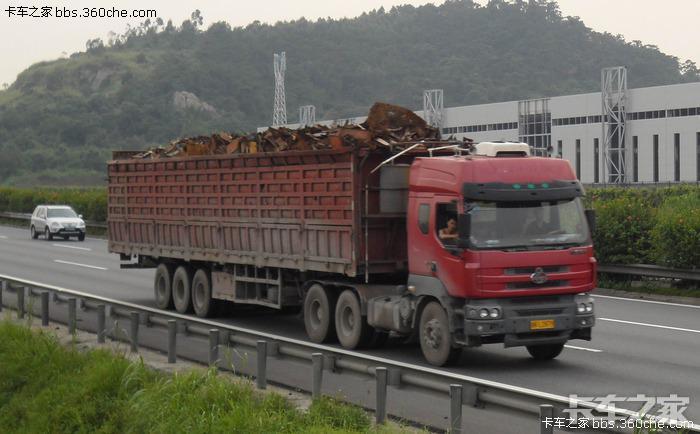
61	212
527	225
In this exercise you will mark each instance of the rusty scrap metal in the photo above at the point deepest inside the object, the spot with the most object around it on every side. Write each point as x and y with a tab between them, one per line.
387	125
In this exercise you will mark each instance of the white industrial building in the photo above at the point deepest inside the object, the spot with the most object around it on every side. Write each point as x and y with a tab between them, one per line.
619	135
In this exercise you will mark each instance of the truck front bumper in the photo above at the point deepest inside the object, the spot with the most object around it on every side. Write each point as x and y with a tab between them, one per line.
528	320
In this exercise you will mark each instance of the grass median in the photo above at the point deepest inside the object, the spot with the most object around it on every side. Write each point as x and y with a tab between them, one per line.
46	387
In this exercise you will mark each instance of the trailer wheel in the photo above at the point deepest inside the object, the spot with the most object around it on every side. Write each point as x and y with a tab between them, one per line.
182	298
319	310
434	334
202	302
163	286
545	352
351	327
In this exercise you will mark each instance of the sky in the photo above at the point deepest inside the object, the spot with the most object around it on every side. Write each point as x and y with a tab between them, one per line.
672	25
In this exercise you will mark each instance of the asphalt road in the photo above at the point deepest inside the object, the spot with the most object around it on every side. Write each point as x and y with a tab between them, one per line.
638	347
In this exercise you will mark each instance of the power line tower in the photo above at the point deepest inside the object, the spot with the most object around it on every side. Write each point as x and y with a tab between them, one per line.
613	82
279	112
307	115
433	107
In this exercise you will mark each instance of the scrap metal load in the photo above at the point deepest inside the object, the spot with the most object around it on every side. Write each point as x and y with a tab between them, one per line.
386	126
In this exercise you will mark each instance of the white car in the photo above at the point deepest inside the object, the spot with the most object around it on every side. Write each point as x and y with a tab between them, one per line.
57	221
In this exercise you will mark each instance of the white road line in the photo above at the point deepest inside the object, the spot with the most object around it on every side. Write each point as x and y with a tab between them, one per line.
72	247
646	301
80	265
650	325
592	350
3	237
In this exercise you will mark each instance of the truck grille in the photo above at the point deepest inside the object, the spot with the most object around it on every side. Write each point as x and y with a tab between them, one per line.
530	270
532	285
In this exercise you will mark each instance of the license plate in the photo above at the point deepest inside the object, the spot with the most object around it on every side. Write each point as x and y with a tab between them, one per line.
541	324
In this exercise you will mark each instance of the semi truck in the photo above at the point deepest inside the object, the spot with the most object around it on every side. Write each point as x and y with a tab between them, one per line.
449	244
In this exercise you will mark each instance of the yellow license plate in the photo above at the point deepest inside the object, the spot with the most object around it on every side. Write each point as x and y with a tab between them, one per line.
541	324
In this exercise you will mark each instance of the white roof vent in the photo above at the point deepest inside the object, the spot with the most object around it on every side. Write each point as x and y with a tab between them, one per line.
502	149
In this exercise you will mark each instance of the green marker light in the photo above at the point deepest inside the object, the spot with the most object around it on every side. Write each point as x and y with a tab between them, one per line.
531	186
516	186
545	185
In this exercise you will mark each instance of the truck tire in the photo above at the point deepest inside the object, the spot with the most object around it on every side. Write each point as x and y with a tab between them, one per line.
163	286
182	285
202	302
434	336
350	326
319	313
545	352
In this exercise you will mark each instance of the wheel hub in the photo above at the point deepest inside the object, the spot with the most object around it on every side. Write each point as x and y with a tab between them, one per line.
433	333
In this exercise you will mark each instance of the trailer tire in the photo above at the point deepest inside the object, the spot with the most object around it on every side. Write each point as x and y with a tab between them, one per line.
350	326
545	352
182	289
202	302
163	286
319	313
434	336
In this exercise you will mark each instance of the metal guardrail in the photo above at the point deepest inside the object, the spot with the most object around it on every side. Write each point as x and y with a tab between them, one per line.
460	389
650	271
28	216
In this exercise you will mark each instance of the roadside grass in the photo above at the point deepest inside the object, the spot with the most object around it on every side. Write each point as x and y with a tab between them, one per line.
46	387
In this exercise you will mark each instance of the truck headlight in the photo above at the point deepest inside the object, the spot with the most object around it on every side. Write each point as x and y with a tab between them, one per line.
581	308
589	307
494	313
483	313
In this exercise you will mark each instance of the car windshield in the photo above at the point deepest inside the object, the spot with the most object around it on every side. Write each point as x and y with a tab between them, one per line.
61	212
527	225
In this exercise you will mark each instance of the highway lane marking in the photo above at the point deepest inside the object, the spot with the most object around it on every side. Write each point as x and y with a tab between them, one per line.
3	237
592	350
646	301
80	265
681	329
72	247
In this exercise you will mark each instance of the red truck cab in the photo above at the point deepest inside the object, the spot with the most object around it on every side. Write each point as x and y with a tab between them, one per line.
517	265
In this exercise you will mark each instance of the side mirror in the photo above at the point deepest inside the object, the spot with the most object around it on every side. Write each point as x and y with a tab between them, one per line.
464	223
80	216
590	217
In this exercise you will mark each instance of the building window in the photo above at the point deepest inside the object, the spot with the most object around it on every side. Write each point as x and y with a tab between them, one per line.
578	158
596	161
676	157
635	159
656	158
560	152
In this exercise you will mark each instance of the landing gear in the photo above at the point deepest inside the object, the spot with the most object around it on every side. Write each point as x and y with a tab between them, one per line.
319	313
434	336
545	352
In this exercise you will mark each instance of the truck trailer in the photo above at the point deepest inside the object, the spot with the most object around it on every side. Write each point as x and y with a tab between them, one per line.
453	244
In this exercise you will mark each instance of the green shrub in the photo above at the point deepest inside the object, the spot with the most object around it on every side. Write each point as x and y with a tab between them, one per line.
676	235
623	228
90	202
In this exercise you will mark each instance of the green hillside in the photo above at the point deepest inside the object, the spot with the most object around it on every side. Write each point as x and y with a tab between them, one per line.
60	119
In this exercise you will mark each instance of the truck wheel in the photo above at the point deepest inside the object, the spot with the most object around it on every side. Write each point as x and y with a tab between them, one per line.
204	305
351	327
545	352
163	286
182	297
434	334
319	310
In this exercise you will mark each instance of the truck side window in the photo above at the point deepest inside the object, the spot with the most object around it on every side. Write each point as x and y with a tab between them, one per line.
423	217
446	223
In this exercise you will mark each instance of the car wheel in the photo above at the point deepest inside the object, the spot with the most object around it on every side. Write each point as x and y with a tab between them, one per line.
319	312
545	352
81	237
434	336
47	234
33	232
182	286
